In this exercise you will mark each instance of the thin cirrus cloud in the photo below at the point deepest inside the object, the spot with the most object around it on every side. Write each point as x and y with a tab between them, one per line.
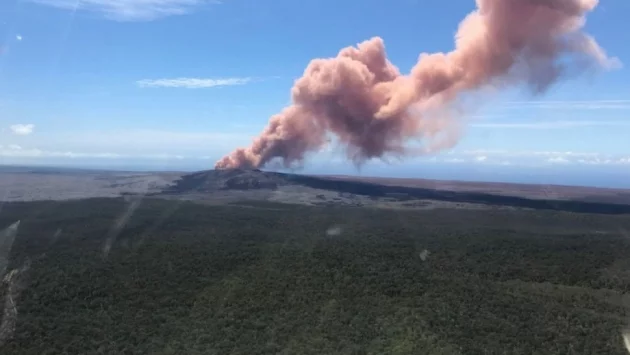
552	124
192	83
568	105
22	129
130	10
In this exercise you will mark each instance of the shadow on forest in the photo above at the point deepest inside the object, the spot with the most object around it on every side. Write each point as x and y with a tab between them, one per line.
255	179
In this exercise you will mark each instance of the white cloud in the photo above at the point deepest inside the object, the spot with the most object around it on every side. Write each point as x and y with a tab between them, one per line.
526	153
536	158
18	37
147	140
552	124
558	160
22	129
130	10
162	156
131	148
192	83
489	157
140	143
605	161
16	151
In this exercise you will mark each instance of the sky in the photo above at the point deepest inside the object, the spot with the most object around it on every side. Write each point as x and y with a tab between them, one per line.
177	84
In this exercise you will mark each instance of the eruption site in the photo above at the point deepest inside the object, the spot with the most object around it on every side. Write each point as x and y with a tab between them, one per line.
373	110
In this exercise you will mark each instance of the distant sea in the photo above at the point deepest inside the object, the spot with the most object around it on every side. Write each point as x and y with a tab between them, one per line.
596	176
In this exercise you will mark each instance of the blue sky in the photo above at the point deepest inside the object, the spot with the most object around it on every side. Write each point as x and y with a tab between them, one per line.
174	83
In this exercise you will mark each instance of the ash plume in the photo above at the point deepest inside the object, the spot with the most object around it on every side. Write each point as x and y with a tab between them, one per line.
374	111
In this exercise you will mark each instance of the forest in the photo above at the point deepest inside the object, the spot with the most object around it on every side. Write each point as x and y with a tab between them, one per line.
151	276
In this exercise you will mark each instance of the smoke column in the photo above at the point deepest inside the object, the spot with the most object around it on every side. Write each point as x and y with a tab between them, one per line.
373	110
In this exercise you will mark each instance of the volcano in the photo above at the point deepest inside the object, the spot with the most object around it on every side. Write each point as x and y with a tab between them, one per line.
229	179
